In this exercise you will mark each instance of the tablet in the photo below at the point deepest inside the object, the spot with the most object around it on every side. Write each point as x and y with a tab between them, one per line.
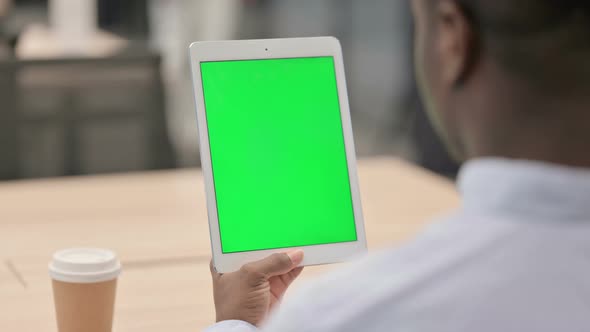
277	150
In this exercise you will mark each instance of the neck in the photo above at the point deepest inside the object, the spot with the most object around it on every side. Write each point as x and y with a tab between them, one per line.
539	151
516	121
560	136
503	114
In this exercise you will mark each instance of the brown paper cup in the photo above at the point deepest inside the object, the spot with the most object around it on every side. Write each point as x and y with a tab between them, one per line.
84	307
84	287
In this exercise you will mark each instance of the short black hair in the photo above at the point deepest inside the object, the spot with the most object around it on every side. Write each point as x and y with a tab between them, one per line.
546	41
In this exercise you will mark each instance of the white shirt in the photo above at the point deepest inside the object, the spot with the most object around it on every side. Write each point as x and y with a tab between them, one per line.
514	258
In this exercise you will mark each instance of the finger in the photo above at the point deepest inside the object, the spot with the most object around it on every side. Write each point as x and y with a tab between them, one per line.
296	257
288	278
214	273
295	273
276	264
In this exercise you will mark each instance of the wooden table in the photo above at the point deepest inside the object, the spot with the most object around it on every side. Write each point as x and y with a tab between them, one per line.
157	223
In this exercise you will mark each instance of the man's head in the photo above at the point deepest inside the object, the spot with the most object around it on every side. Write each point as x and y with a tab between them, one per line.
508	78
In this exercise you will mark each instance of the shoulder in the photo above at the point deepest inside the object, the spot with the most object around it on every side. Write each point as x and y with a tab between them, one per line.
321	304
348	296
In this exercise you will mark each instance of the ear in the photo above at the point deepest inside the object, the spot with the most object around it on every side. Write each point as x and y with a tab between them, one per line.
456	45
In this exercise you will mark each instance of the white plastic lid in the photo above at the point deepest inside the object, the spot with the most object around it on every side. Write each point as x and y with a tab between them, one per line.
84	265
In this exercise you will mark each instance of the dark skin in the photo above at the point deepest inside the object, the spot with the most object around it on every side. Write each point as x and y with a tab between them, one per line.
480	105
250	293
482	108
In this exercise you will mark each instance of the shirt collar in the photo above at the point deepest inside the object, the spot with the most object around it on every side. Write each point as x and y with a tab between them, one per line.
526	189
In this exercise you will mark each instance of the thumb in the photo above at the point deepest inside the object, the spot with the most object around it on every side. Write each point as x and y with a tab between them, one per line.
277	264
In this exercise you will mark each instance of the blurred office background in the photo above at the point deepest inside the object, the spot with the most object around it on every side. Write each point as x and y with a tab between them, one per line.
100	86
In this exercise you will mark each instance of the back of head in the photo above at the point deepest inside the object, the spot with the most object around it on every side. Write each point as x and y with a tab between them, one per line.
546	42
507	78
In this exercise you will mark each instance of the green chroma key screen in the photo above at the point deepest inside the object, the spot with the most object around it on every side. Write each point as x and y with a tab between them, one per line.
277	149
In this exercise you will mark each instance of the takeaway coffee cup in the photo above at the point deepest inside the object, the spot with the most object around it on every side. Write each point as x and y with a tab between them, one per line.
84	287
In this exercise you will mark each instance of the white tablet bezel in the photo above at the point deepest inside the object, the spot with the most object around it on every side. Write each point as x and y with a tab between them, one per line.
272	49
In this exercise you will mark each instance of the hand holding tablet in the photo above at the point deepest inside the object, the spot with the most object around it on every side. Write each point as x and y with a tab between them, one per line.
277	150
